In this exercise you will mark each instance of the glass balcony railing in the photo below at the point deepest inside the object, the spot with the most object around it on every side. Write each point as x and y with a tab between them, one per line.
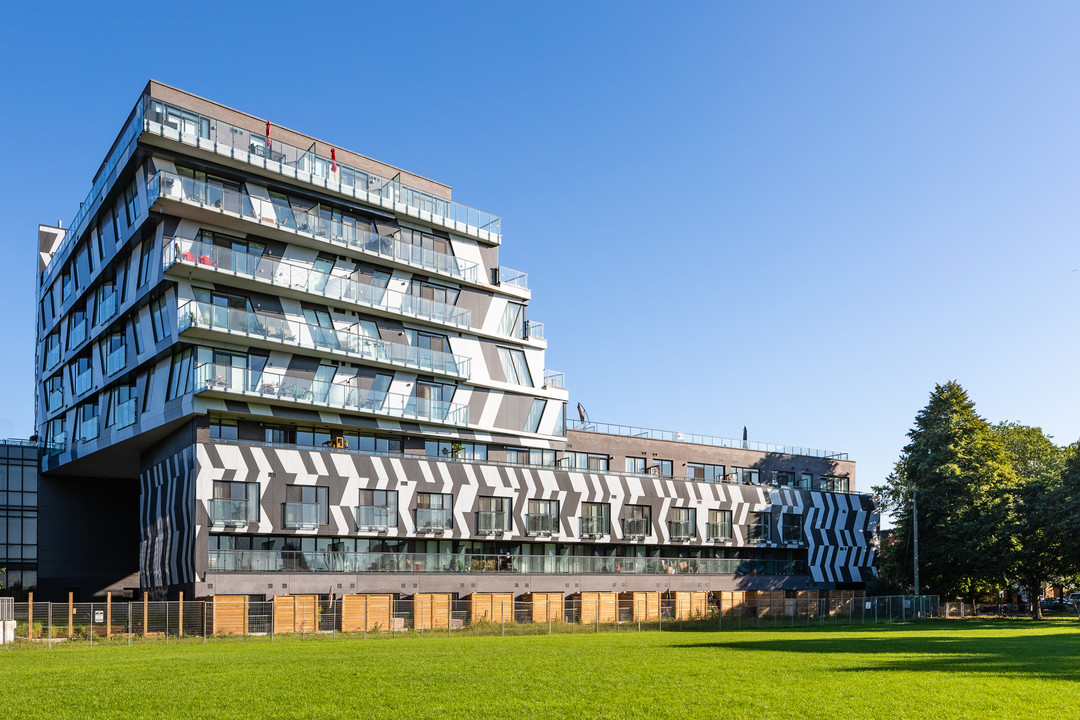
114	361
270	384
296	277
304	164
541	524
718	532
592	526
231	512
77	334
302	516
270	561
125	413
554	379
197	314
428	520
57	445
491	522
52	356
88	429
680	530
106	306
637	432
534	330
635	527
53	400
375	517
83	381
509	276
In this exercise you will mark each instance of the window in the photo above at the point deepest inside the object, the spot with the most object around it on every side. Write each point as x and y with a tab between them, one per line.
88	421
283	435
455	449
54	432
492	514
131	203
106	301
660	467
306	506
532	422
585	461
708	473
806	481
54	393
543	517
782	478
377	510
149	387
121	412
115	215
635	465
82	374
560	421
67	284
234	503
636	521
76	327
431	291
222	428
719	525
595	519
835	484
52	350
531	456
179	375
145	254
682	523
364	443
513	321
136	331
434	511
159	318
746	476
113	349
760	527
792	528
514	367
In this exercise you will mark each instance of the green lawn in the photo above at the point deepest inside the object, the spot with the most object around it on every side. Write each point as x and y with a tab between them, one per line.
959	669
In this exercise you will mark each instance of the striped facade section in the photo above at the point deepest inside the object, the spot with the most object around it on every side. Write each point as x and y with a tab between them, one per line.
168	522
838	528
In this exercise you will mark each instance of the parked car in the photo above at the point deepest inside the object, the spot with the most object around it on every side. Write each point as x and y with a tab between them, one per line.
1074	599
1055	605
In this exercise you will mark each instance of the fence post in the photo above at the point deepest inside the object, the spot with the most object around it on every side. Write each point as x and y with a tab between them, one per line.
108	614
180	615
50	625
166	622
204	621
30	617
129	623
145	613
71	614
272	606
93	631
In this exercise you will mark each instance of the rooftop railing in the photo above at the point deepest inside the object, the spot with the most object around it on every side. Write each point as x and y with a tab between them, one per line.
303	164
554	379
199	314
272	561
277	384
293	276
649	434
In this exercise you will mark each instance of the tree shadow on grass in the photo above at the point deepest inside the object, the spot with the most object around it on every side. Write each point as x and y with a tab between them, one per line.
1053	656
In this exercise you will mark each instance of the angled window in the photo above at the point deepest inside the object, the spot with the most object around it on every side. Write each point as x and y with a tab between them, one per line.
88	421
513	321
159	318
532	422
113	351
514	367
719	525
179	375
145	255
131	203
54	393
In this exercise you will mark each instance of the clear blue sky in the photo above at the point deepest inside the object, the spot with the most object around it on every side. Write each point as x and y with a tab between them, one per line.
791	216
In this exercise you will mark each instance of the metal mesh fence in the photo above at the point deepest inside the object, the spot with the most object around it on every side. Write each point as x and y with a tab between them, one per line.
314	616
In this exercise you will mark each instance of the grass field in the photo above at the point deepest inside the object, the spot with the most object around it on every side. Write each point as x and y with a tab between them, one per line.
965	669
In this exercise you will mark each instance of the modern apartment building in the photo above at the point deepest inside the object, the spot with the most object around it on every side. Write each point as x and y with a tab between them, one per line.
18	514
269	365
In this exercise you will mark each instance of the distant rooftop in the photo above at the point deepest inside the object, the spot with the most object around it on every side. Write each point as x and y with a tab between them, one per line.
673	436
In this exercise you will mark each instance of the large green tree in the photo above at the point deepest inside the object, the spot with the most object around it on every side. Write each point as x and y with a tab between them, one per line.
958	473
1067	501
1038	549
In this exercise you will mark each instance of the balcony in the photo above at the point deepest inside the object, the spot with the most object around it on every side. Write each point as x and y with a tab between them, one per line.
88	429
680	531
301	516
534	330
125	413
205	256
115	360
374	518
195	314
593	527
433	521
83	381
279	385
77	333
635	528
491	523
718	532
554	379
219	137
541	525
231	513
327	561
509	276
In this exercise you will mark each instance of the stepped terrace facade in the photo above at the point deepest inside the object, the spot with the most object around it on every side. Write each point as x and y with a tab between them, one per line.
269	365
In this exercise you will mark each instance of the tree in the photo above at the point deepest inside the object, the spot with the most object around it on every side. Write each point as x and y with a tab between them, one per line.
1036	529
1067	501
959	474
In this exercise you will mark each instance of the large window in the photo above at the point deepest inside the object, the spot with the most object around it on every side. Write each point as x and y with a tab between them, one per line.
234	503
531	456
434	511
585	461
682	523
54	393
719	525
455	449
492	514
663	468
88	421
122	403
514	367
131	203
702	471
835	484
636	521
82	374
52	350
792	528
106	301
543	517
760	527
635	465
145	254
532	422
113	352
783	478
306	506
159	318
378	510
746	476
179	375
595	519
76	326
513	321
806	481
432	291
